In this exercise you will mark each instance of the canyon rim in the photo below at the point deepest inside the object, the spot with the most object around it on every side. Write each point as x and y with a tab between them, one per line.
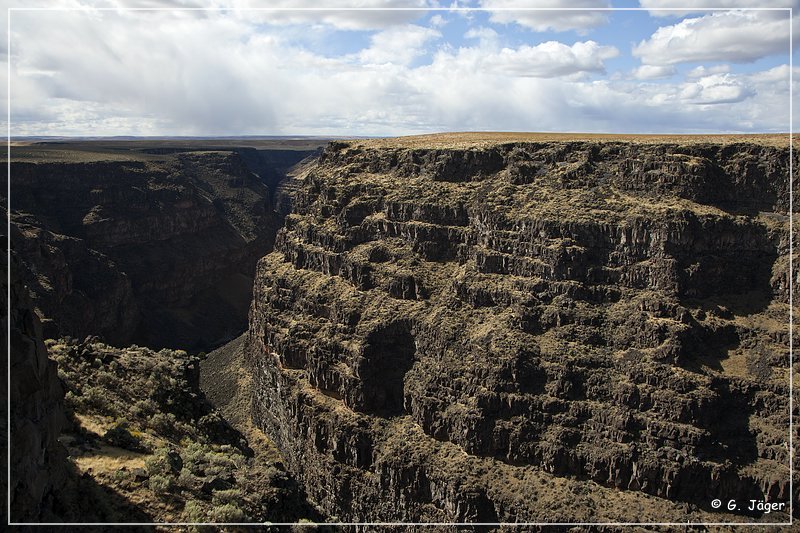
308	267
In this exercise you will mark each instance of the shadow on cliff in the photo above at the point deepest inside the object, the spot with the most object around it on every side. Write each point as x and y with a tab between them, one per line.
724	286
729	425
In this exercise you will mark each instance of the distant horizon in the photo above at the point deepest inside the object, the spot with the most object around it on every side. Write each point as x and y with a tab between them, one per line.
189	137
172	73
314	137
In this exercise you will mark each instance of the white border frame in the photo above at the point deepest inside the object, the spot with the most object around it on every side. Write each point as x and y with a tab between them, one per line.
789	10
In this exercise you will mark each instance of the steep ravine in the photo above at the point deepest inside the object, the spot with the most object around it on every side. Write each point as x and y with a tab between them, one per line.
549	331
157	250
555	331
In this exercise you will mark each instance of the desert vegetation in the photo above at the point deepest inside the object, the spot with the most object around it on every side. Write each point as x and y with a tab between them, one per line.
141	428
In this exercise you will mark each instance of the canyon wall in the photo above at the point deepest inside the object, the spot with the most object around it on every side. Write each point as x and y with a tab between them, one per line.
156	246
549	331
159	250
39	469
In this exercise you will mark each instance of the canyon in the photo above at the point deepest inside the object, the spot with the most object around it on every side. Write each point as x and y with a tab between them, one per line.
453	328
153	245
447	326
146	243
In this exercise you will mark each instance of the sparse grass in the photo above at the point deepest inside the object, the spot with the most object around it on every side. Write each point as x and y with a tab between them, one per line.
484	139
110	459
227	513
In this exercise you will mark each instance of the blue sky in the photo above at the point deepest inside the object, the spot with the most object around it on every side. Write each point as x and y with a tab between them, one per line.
244	72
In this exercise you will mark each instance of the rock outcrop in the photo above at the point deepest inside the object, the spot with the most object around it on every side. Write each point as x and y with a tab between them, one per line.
154	249
38	461
524	331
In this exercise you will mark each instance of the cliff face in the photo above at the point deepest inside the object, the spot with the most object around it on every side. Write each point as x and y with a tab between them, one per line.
38	461
158	251
442	334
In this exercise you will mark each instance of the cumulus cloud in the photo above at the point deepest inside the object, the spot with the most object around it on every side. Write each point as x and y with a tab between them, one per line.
779	74
437	21
482	33
700	71
716	89
550	59
653	72
117	73
377	14
544	20
399	45
659	7
736	36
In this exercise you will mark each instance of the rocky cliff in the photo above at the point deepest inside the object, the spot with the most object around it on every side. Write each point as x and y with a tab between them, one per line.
157	249
38	462
542	331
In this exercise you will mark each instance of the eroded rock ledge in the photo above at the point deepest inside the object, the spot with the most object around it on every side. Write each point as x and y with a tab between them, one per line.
530	331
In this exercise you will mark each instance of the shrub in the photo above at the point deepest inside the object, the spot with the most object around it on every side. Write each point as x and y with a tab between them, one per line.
158	464
120	436
143	409
96	398
163	423
187	480
72	401
106	380
227	513
160	484
231	496
194	512
222	461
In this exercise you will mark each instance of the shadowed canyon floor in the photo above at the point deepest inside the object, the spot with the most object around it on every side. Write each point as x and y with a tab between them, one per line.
472	327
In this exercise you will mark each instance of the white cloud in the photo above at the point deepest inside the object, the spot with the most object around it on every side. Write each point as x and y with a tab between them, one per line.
487	37
399	45
700	71
546	60
343	19
437	21
553	58
211	74
653	72
658	7
779	74
734	36
544	20
481	32
716	89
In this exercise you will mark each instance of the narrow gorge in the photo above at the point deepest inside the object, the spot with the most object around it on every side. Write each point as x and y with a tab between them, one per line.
117	246
149	245
455	328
